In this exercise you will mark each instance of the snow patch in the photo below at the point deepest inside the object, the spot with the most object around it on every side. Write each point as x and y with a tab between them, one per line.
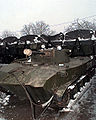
70	103
29	60
71	87
4	99
66	110
28	42
77	96
36	40
1	44
82	77
59	48
91	57
45	104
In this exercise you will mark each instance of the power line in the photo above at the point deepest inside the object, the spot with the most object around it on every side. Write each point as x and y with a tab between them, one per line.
54	25
72	21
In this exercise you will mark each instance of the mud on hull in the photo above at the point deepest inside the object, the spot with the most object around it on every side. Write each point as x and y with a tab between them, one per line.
76	87
77	77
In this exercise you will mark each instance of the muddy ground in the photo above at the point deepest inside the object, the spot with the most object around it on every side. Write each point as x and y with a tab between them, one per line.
84	109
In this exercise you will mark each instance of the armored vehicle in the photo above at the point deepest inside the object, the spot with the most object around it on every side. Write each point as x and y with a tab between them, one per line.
48	76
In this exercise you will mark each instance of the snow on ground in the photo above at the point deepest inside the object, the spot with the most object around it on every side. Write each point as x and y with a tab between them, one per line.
4	100
85	108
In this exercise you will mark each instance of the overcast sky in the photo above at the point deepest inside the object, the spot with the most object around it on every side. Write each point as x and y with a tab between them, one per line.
16	13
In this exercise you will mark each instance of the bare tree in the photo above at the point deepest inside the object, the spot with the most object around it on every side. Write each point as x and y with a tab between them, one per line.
37	28
78	24
7	33
26	30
